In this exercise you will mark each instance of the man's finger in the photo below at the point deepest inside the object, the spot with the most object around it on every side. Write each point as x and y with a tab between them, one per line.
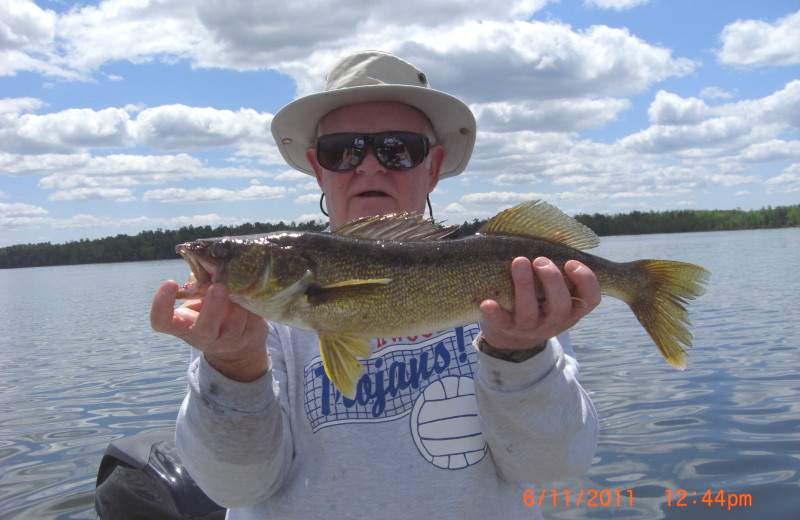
162	307
207	328
526	303
558	303
587	287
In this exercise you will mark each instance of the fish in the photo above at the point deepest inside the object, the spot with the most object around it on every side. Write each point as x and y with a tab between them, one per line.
402	275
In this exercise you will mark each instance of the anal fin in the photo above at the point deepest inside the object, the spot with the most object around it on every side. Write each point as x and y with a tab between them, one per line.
339	357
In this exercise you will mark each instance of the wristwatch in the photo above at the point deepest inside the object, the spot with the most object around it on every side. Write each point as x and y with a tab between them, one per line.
515	356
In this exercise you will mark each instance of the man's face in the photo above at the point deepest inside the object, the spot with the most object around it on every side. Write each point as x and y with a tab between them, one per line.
371	189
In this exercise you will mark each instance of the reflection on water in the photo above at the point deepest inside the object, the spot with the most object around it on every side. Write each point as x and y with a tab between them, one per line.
81	367
731	421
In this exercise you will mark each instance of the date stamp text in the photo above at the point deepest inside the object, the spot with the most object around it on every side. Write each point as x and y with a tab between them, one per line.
624	497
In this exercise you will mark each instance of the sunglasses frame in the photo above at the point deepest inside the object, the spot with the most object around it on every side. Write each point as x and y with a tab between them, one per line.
368	141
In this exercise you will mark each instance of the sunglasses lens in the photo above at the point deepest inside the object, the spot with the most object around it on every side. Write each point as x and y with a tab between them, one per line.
394	150
401	150
340	152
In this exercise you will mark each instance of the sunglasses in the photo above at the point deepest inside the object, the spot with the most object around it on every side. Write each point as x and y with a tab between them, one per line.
395	150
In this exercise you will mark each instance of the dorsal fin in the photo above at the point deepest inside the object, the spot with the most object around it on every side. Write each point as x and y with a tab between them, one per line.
399	227
538	219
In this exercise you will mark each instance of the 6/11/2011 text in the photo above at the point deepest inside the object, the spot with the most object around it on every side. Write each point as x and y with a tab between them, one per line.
616	497
585	497
683	498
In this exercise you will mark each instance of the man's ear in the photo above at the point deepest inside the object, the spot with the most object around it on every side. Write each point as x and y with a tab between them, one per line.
311	155
436	157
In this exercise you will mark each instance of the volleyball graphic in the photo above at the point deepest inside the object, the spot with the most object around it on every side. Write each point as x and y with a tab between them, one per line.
445	426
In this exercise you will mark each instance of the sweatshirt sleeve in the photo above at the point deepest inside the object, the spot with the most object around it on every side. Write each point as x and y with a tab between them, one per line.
234	438
539	422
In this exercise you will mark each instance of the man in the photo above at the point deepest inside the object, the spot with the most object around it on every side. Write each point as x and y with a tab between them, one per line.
451	424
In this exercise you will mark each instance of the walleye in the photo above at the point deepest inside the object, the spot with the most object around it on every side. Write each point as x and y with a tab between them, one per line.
400	275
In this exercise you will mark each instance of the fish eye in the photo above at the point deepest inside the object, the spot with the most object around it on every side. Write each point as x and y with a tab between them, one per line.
220	249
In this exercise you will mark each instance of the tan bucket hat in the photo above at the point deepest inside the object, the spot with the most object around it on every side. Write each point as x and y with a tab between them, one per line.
376	76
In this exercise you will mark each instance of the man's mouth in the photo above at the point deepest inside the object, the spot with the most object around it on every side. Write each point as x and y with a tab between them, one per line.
373	194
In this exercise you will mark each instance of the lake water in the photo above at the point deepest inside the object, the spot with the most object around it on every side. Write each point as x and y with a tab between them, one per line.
81	367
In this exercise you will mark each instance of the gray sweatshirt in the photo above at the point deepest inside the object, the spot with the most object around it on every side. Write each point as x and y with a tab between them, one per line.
437	429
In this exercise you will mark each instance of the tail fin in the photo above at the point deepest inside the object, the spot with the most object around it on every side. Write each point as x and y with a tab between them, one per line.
661	307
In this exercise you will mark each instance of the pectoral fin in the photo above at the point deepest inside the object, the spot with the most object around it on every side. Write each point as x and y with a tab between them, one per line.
339	353
347	290
268	303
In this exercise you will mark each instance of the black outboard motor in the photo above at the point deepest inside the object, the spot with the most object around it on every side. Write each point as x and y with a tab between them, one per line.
141	478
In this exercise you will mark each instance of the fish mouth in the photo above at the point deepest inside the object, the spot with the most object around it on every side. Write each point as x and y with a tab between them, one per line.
202	276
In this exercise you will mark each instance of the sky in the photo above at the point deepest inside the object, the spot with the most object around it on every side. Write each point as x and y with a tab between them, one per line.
127	115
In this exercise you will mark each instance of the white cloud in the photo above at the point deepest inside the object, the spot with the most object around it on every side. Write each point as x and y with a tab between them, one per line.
24	24
293	175
617	5
16	215
543	59
90	194
306	217
780	108
195	195
99	175
16	165
180	127
68	131
560	115
310	198
715	93
119	170
455	208
688	128
163	128
492	61
709	137
772	151
18	209
27	33
113	223
73	130
499	197
787	182
671	109
758	43
10	107
123	30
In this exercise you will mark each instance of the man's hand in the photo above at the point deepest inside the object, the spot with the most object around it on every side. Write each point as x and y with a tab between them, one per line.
530	325
232	339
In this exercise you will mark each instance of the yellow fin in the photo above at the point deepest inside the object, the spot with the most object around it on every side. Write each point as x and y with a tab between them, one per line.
339	352
285	297
538	219
356	283
660	307
346	290
400	227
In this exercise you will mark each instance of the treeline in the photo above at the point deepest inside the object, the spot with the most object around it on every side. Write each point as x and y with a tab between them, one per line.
160	244
147	245
689	220
679	221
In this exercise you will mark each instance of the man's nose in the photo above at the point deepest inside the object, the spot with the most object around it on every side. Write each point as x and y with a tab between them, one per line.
370	164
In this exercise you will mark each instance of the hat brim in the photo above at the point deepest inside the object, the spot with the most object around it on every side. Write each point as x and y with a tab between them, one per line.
294	126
